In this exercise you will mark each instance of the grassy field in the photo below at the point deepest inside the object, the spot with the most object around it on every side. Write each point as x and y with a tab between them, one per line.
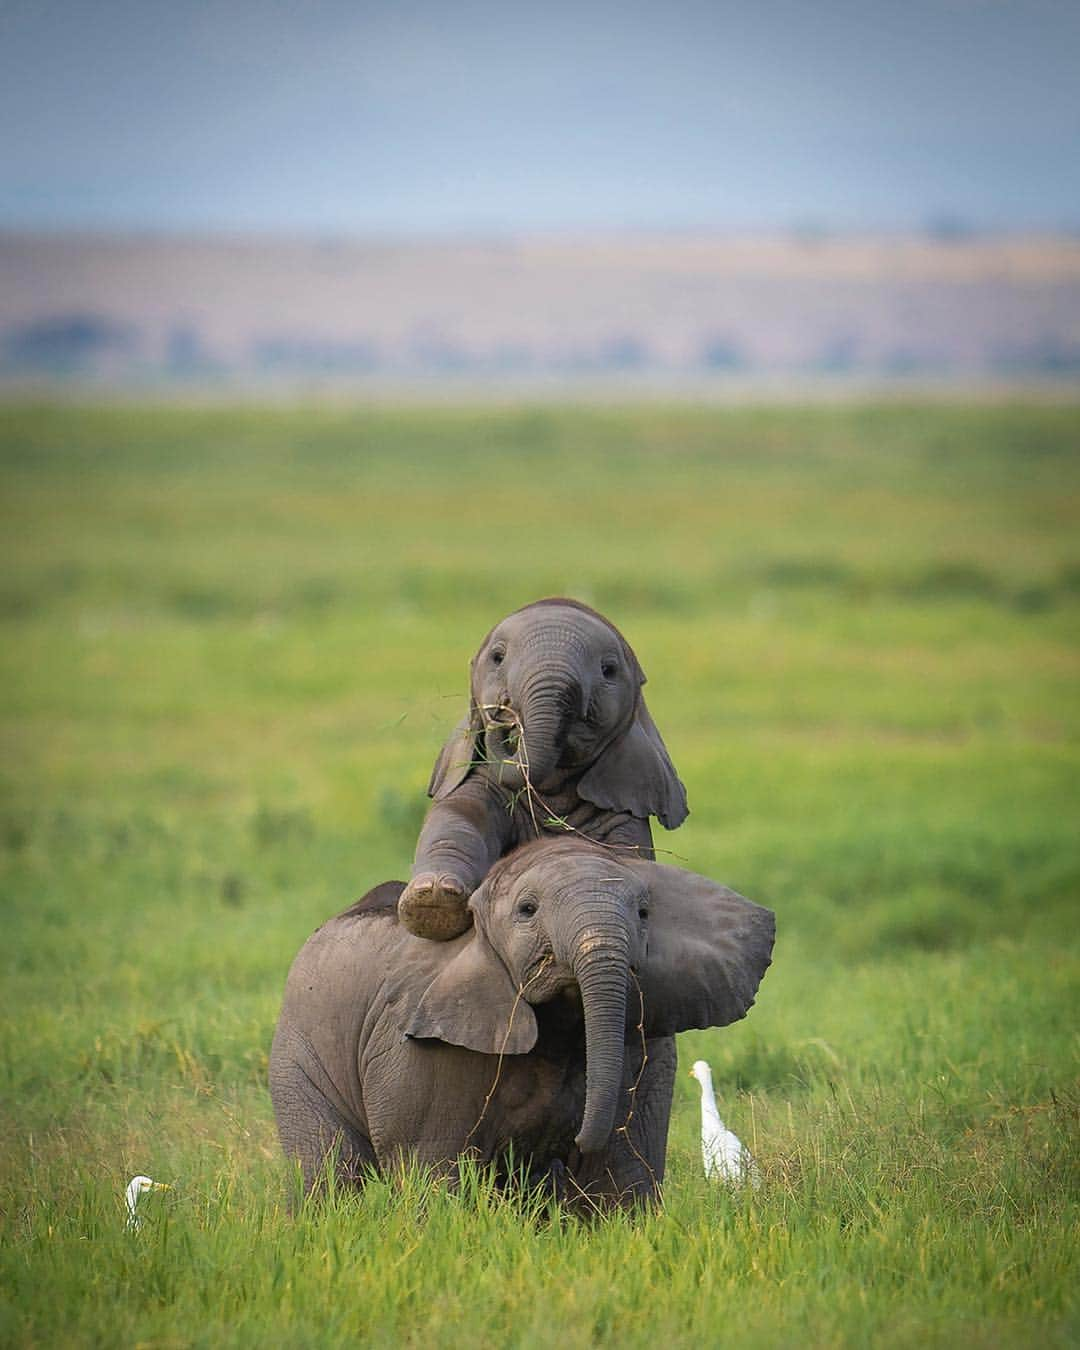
232	644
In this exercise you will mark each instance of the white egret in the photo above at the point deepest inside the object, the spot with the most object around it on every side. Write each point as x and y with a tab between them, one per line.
725	1158
135	1187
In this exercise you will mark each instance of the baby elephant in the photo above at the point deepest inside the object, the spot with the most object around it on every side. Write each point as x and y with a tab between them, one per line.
558	737
545	1032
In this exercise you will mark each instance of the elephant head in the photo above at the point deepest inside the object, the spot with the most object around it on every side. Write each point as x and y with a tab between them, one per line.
556	697
561	913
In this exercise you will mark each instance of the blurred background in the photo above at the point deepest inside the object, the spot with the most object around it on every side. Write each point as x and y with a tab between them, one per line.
332	332
700	197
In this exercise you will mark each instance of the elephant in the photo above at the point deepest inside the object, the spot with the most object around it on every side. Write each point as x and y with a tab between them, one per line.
541	1041
557	738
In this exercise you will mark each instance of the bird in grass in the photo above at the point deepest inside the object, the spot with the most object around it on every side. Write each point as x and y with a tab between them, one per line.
725	1158
135	1187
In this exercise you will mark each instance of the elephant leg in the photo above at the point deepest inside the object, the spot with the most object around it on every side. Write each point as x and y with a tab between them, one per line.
619	830
554	1181
461	838
630	1171
313	1132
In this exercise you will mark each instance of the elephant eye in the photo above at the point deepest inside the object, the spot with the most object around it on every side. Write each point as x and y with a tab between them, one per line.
609	667
528	908
497	654
643	911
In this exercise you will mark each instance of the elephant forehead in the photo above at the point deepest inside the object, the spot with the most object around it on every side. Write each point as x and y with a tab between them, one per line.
567	870
605	879
559	623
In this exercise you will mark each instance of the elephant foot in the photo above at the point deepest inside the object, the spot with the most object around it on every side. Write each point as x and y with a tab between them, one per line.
434	906
557	1181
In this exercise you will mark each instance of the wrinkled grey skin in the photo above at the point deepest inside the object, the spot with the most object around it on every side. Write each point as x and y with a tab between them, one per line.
555	704
566	992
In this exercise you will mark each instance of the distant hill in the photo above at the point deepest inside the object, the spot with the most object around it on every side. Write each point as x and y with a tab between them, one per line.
138	311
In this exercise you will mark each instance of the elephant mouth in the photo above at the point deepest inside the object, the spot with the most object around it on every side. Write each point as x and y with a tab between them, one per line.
584	741
504	743
544	982
503	754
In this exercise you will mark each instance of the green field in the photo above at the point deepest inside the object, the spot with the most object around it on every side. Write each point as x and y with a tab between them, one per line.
233	641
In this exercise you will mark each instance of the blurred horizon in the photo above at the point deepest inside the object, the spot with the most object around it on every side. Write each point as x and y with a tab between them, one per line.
687	314
230	194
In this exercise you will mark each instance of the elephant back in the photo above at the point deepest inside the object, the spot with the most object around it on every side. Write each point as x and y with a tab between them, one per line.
381	899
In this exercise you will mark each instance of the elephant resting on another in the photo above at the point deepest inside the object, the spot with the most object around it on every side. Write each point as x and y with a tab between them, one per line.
547	1030
557	739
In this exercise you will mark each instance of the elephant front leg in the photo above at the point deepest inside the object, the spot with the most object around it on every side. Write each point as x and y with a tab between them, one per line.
461	838
626	833
314	1133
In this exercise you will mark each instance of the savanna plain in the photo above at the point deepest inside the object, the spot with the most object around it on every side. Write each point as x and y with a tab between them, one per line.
233	642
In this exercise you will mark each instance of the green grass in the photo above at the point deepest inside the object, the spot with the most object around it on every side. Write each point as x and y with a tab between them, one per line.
232	643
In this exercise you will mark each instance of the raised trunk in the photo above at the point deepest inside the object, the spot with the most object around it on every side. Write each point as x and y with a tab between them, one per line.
601	969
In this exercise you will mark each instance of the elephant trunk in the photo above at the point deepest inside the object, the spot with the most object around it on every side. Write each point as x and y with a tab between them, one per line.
601	968
546	705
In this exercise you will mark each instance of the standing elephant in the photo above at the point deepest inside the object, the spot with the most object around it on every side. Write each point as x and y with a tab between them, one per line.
557	737
546	1032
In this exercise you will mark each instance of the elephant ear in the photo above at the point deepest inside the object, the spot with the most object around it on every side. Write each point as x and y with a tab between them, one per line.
708	949
635	774
457	758
472	1002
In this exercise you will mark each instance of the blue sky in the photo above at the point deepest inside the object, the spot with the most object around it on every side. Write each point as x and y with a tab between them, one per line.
449	116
